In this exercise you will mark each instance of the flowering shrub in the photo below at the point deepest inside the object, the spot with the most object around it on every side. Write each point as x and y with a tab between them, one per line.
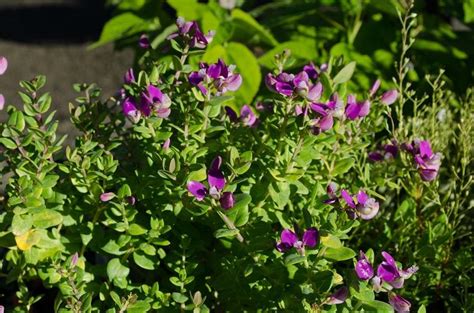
169	200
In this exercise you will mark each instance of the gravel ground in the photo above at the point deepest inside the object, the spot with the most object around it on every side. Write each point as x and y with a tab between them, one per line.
57	48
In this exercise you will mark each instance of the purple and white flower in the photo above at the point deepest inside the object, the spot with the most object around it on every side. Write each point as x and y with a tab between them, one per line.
216	182
288	240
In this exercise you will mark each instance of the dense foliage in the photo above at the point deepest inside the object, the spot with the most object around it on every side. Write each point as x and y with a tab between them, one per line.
236	170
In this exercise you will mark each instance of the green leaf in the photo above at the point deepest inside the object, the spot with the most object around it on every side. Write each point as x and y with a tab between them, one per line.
143	261
304	50
138	307
120	26
8	143
280	193
345	74
21	224
115	269
468	6
136	230
294	259
339	254
239	214
46	218
342	166
422	309
379	306
246	25
224	232
17	120
178	297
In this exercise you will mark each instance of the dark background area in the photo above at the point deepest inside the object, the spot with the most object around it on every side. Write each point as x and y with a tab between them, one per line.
50	37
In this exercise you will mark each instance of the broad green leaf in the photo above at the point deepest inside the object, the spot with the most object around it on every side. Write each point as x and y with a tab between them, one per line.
136	230
115	269
304	50
468	6
21	224
138	307
378	306
46	218
345	73
8	143
294	258
342	166
178	297
143	261
239	214
331	241
339	254
246	25
189	9
120	26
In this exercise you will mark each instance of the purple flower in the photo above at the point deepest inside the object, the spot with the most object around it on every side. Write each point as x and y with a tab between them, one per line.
198	190
311	70
355	110
74	259
2	101
144	41
166	144
339	296
363	268
399	304
331	192
192	34
157	101
2	309
227	200
216	182
388	271
289	239
219	77
129	77
364	207
374	88
248	117
325	113
130	110
131	200
389	96
107	196
3	65
427	162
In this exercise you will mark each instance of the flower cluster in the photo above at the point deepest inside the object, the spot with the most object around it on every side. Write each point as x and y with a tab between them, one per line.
151	101
216	181
191	34
427	163
325	113
388	277
216	78
302	84
360	205
3	69
247	117
289	239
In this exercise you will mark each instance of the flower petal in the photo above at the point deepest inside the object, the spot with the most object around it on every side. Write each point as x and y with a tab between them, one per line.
288	237
198	190
311	237
348	198
227	200
215	177
3	65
